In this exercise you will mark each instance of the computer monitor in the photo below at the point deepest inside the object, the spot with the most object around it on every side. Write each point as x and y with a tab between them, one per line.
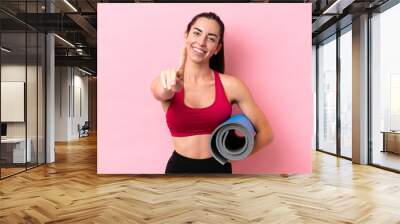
3	129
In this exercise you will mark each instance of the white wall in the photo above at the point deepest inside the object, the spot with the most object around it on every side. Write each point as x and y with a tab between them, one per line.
33	127
62	81
71	93
79	117
15	72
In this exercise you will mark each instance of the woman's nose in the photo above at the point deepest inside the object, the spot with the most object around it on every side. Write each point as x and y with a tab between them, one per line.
203	40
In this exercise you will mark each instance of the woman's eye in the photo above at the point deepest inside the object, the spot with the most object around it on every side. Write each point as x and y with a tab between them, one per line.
196	33
212	39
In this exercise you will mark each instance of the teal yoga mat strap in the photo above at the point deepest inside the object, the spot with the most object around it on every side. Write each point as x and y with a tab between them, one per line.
226	145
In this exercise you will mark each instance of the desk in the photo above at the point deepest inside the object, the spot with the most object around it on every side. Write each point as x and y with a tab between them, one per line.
391	141
16	151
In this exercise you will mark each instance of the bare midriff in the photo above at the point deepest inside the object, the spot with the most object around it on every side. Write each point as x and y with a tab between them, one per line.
195	146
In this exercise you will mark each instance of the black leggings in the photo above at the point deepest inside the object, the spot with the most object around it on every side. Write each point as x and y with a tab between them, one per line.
181	164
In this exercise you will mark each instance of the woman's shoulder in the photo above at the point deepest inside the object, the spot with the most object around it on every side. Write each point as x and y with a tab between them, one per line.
233	86
229	80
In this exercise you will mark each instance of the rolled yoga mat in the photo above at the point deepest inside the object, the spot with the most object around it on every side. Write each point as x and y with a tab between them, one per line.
227	145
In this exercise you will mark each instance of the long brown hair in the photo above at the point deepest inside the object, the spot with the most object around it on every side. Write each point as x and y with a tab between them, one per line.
217	62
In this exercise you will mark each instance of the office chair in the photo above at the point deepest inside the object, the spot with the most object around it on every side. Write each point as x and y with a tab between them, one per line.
84	130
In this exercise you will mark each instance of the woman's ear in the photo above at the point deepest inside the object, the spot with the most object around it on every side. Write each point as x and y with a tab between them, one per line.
185	38
218	49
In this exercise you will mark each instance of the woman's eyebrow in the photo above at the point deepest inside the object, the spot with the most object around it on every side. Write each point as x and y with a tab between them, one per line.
198	29
209	34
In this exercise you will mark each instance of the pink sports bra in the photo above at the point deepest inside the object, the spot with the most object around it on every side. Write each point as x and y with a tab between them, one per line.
186	121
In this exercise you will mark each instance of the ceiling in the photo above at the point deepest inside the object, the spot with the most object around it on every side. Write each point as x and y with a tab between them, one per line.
76	22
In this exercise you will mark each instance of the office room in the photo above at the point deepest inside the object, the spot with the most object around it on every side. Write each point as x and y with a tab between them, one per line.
155	111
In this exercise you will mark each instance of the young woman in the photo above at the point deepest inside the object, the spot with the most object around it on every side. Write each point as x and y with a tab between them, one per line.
197	97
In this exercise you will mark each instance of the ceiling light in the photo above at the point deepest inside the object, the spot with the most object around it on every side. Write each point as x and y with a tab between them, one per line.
70	5
64	40
84	71
338	6
5	50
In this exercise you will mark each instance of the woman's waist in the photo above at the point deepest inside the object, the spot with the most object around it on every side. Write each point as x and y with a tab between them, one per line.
195	146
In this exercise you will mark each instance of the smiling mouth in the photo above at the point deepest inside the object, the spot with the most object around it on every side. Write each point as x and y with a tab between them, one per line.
198	50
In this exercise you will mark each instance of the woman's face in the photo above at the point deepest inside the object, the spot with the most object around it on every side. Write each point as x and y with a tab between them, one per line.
202	41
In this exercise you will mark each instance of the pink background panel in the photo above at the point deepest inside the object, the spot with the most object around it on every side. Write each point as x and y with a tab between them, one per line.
268	46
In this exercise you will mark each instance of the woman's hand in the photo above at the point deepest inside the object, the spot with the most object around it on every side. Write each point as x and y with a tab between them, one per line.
173	79
169	81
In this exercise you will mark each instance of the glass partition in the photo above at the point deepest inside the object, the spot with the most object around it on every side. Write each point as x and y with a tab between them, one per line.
385	89
22	63
346	93
327	96
13	107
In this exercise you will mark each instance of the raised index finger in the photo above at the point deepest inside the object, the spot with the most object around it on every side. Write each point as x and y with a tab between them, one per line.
181	67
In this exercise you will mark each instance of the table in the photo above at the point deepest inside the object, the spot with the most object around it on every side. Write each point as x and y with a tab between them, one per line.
391	141
15	148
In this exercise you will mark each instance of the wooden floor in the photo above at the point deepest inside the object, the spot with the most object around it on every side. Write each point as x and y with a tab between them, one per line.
5	172
387	159
70	191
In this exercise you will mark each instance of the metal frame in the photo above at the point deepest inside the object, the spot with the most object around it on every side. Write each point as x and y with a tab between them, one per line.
44	73
316	97
0	93
26	89
387	5
37	91
338	76
385	168
369	81
340	31
45	91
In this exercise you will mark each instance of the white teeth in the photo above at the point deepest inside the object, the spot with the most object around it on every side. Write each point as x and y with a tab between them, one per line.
198	50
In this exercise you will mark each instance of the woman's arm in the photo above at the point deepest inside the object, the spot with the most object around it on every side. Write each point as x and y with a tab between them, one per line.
159	92
242	96
165	85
